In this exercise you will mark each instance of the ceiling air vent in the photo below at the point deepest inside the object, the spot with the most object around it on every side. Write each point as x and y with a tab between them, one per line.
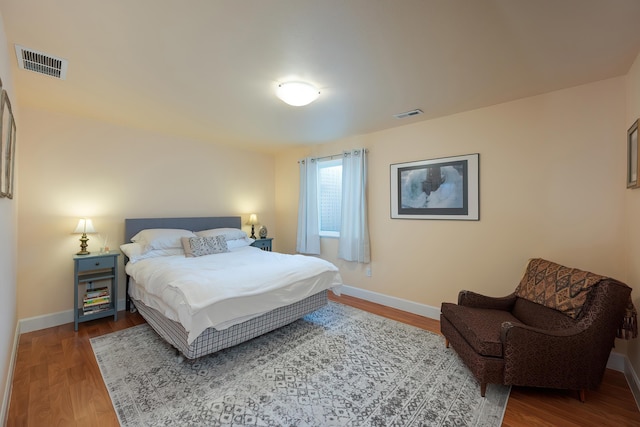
40	62
408	114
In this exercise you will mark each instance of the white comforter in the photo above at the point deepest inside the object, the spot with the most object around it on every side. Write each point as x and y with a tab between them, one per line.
225	289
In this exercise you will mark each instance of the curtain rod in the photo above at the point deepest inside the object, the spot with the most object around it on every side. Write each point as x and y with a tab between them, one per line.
331	156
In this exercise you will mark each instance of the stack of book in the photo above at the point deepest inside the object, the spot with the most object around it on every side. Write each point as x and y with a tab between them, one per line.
96	300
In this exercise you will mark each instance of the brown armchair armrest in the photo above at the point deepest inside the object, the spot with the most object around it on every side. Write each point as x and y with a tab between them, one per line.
520	331
472	299
557	359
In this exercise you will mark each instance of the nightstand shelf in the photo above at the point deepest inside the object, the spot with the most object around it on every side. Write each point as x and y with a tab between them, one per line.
98	267
264	244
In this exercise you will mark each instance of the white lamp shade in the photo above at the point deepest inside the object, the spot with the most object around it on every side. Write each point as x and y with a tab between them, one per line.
84	226
253	219
297	93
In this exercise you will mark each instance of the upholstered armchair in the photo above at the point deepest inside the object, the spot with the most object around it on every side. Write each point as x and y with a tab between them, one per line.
556	330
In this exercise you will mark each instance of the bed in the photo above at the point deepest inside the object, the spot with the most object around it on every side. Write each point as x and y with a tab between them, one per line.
207	301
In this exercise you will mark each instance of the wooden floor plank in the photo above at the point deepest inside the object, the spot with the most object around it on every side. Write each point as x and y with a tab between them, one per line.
61	405
57	382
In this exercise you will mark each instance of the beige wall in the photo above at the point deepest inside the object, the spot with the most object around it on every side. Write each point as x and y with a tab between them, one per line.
551	185
632	200
8	221
72	167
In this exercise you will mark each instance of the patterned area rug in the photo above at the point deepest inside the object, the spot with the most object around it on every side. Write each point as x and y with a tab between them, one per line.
338	366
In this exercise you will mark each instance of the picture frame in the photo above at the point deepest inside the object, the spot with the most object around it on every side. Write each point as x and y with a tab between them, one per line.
2	148
444	188
633	156
7	146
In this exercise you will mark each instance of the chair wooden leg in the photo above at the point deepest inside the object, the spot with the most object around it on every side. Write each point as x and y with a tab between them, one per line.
483	389
446	342
581	395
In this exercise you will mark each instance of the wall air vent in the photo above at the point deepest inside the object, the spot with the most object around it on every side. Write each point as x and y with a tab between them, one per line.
408	114
40	62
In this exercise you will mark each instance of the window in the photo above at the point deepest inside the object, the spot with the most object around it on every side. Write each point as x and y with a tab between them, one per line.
330	196
329	206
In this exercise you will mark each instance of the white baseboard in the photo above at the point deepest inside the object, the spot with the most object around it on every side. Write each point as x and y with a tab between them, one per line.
616	361
620	362
36	323
632	379
4	411
54	319
389	301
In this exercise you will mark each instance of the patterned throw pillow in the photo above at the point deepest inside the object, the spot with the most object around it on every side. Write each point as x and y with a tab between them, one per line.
199	246
555	286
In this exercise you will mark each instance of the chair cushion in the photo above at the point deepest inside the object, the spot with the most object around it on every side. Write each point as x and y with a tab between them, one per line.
556	286
480	327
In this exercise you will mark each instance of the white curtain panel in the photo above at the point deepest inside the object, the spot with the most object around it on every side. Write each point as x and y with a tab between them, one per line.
354	230
308	240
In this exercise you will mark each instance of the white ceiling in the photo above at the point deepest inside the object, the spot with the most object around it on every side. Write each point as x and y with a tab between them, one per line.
208	69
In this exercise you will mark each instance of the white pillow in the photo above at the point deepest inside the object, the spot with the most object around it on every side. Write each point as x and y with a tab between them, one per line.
161	238
228	233
135	252
161	252
238	243
132	250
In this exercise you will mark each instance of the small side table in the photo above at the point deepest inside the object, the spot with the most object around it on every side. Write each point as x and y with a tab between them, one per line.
264	244
91	268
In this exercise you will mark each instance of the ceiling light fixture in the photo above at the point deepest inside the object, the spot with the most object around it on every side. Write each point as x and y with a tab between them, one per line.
297	93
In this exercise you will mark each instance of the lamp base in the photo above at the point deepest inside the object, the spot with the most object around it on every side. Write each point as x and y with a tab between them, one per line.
253	233
83	245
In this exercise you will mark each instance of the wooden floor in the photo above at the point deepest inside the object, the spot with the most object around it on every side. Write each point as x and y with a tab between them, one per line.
57	382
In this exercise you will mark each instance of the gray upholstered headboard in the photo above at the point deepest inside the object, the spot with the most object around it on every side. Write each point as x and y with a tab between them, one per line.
133	225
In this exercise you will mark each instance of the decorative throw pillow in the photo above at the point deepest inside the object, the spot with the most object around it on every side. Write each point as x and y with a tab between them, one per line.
199	246
555	286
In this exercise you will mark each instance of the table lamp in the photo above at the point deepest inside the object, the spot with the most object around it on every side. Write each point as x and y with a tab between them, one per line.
253	221
84	226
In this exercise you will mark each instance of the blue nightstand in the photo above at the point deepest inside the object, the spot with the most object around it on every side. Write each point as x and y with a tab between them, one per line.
89	269
264	244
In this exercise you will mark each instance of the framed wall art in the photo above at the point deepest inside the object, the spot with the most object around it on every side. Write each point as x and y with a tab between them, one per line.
445	188
632	156
7	146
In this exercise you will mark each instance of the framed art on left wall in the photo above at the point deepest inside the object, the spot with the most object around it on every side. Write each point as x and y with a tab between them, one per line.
7	146
633	156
